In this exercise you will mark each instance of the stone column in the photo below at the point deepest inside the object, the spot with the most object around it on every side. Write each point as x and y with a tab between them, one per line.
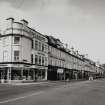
22	73
82	74
9	74
76	76
33	74
28	73
45	74
64	74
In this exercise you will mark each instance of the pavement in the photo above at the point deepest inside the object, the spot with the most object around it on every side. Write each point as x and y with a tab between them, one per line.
39	82
31	83
54	93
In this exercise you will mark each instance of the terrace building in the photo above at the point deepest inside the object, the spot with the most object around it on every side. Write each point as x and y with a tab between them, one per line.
26	54
62	64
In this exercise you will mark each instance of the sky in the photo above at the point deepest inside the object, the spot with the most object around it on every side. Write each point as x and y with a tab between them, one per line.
79	23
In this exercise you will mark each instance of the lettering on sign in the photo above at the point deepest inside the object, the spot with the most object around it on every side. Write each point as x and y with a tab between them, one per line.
60	71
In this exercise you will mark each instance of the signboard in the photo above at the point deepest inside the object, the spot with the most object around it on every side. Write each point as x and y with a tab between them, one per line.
26	65
1	65
60	71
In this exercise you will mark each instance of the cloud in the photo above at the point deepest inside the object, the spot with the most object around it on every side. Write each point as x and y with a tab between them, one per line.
94	7
77	22
27	4
6	10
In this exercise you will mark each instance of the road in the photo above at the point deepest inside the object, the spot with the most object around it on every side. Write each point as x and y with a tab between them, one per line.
56	93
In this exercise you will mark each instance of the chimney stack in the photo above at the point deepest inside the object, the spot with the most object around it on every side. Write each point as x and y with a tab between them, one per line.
24	22
10	19
10	22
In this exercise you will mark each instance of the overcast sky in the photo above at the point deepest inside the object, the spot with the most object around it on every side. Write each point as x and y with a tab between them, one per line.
79	23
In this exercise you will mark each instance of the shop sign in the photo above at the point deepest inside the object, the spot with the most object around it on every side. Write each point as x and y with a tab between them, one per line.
26	66
16	65
60	71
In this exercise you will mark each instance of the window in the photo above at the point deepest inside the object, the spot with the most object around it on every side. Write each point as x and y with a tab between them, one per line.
46	61
42	60
36	59
51	61
42	47
16	40
46	48
39	46
39	60
36	45
5	41
16	55
32	58
32	44
5	55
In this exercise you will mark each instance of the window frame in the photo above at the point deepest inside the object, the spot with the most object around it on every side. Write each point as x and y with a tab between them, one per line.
16	41
16	56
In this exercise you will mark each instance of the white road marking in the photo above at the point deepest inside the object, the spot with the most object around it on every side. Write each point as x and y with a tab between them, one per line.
18	98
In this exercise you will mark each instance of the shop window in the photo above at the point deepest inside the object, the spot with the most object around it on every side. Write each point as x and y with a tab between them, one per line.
16	55
43	74
16	40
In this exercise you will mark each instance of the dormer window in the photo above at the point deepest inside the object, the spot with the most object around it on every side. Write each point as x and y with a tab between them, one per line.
16	40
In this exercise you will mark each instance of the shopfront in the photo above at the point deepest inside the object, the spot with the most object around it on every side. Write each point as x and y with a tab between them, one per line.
16	72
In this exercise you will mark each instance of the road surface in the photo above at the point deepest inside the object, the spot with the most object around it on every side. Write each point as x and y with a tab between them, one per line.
77	93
